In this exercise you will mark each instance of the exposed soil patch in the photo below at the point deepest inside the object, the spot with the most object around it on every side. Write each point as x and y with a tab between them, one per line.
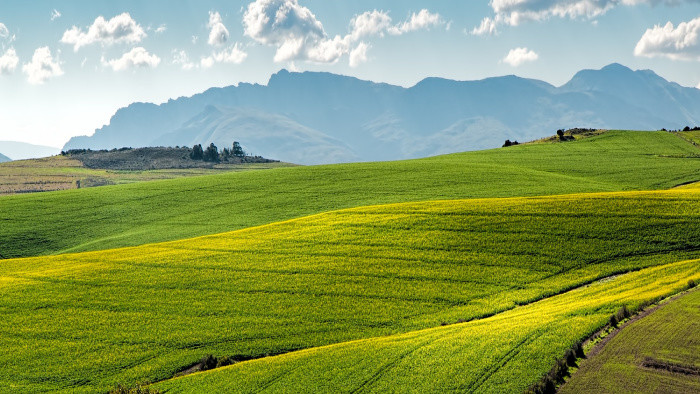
670	367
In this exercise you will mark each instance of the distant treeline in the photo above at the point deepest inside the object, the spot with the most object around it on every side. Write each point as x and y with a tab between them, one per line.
212	152
686	128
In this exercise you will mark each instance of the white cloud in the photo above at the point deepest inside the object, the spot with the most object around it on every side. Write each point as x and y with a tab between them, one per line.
137	57
698	87
677	43
218	35
4	33
8	62
514	12
359	54
120	29
298	35
232	55
42	67
161	29
518	56
369	23
55	14
424	19
180	57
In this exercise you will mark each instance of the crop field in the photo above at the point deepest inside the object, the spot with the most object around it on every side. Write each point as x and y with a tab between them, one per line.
499	354
134	214
63	173
658	353
86	322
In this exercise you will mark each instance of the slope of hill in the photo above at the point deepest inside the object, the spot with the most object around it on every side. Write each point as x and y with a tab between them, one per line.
21	150
85	322
4	158
109	168
334	118
505	353
651	355
127	215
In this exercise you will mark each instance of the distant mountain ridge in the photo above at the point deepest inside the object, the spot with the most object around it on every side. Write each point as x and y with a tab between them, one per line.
318	117
4	158
21	150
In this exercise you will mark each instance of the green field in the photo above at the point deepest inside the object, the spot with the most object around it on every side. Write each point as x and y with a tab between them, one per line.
669	336
128	215
500	354
85	322
64	173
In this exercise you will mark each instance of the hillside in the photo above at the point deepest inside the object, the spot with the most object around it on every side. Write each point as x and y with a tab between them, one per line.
127	215
22	150
312	118
4	158
145	313
648	356
92	169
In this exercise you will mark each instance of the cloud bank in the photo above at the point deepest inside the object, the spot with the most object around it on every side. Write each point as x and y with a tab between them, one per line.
120	29
518	56
298	35
515	12
136	58
680	42
8	62
42	67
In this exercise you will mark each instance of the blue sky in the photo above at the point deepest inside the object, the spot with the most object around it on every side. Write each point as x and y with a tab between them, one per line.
67	66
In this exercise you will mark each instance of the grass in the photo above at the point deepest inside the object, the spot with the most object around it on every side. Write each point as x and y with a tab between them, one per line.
63	173
500	354
128	215
666	337
86	322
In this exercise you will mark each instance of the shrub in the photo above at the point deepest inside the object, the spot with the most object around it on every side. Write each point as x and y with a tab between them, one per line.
691	284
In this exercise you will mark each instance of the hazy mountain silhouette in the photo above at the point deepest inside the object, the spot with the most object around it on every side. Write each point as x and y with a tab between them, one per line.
4	158
315	117
22	150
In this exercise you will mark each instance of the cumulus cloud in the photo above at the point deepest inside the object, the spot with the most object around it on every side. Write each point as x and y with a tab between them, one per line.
422	20
514	12
359	54
298	35
8	62
518	56
137	57
42	67
55	14
232	55
218	34
181	58
120	29
680	42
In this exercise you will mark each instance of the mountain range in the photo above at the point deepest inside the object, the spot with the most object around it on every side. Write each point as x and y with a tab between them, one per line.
14	150
4	158
316	117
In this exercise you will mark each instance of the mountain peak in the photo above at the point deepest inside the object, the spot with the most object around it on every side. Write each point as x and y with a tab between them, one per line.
616	67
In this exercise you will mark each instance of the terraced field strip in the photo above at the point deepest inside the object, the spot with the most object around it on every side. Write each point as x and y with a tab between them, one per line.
85	322
500	354
658	353
130	215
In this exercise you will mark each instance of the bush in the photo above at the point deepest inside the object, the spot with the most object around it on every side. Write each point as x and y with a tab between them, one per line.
691	284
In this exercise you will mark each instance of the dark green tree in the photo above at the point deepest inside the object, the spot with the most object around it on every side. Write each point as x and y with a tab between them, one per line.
237	149
197	152
212	153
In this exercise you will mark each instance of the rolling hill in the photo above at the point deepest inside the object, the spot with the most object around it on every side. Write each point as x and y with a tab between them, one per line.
312	118
128	215
87	322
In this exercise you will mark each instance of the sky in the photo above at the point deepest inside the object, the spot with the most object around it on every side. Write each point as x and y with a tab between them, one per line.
67	66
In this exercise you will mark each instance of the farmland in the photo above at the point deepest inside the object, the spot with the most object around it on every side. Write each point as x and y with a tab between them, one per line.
382	274
64	173
637	359
134	214
499	354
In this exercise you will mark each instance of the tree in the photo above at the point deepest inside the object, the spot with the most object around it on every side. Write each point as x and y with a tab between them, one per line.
212	153
237	149
197	152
